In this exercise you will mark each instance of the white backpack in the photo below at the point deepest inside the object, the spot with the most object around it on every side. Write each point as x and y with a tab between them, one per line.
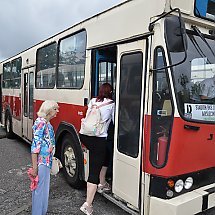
92	124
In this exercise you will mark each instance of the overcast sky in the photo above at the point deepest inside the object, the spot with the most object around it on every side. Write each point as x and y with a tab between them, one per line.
24	23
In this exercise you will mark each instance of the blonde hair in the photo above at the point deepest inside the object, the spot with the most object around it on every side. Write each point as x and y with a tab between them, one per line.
46	107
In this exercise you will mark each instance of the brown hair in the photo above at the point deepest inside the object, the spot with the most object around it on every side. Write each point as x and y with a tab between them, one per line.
105	91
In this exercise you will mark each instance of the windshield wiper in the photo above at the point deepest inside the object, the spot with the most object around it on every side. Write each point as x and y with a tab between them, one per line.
197	47
202	37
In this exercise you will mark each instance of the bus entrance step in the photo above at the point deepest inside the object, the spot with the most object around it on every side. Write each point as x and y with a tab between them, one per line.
120	204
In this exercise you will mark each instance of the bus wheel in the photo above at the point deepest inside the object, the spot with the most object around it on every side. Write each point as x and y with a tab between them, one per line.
70	157
8	126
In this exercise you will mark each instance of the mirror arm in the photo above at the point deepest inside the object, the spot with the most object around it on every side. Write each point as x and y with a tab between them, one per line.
170	66
151	27
151	24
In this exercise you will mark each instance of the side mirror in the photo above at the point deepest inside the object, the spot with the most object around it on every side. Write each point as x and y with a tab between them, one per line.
175	34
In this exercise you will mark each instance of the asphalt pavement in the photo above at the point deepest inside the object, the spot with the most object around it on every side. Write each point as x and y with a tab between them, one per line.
15	194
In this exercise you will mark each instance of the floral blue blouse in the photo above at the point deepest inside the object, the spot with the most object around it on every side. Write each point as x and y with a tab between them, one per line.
41	144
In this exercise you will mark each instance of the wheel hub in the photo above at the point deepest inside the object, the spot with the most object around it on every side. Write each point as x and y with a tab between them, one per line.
8	125
70	161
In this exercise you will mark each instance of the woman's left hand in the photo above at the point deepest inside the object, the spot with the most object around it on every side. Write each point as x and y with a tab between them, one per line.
34	172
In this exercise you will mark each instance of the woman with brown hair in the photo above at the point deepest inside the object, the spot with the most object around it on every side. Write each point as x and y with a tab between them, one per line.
97	147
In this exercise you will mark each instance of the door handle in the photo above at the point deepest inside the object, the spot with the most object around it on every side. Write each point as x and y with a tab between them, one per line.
191	127
211	137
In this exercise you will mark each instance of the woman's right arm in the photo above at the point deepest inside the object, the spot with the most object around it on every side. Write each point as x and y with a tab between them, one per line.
34	158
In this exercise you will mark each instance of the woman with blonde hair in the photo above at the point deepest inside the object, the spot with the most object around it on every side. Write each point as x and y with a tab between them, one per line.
42	150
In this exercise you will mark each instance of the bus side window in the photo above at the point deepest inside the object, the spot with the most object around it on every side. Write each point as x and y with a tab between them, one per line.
162	112
72	58
45	65
7	82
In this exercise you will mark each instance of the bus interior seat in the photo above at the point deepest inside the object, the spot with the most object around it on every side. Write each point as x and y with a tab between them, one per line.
52	81
45	81
70	77
61	80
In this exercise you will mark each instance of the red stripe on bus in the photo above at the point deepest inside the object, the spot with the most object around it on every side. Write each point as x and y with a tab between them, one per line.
14	103
189	150
69	113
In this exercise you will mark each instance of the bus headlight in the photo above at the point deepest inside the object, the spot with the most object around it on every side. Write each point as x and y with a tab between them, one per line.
188	183
179	186
169	193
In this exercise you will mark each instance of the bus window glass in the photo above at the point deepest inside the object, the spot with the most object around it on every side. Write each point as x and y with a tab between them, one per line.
7	75
195	79
162	111
46	65
205	9
16	72
72	57
106	73
130	103
31	88
26	94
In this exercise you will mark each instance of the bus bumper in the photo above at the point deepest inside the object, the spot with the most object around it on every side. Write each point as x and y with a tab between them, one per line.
189	203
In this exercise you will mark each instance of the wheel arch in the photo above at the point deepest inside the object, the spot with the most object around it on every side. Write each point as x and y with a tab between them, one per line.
7	111
65	128
8	118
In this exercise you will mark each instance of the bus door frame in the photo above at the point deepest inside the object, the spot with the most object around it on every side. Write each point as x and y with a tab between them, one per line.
27	115
128	181
98	58
1	76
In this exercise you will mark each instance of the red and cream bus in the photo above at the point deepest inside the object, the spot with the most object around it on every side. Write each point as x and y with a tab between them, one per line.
155	54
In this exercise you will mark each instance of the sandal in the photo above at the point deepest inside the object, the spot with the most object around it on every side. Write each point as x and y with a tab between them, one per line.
86	209
103	188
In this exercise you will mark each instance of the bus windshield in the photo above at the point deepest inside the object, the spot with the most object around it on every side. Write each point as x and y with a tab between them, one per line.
194	79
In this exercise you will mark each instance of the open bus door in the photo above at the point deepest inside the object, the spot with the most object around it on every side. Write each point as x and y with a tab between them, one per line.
27	103
1	98
127	165
104	64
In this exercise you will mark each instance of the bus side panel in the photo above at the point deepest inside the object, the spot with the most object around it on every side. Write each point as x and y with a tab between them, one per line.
7	102
14	103
67	112
17	127
16	108
190	150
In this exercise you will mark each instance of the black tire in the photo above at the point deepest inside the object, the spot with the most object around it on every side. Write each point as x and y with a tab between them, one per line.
71	159
8	126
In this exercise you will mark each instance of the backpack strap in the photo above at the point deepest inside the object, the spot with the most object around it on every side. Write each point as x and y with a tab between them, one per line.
107	103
